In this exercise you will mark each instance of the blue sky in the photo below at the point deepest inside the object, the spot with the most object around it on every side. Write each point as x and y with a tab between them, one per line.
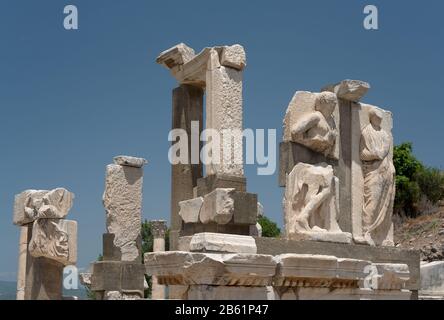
72	100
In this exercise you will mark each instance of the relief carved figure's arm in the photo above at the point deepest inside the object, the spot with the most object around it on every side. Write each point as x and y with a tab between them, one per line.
304	124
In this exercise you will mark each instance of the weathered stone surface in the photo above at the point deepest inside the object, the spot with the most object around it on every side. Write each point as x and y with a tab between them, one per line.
54	239
218	207
186	268
432	279
41	204
312	120
310	206
351	90
245	208
387	276
190	210
234	57
44	279
224	115
372	175
122	200
187	109
349	251
176	56
222	243
210	183
130	161
206	292
118	276
318	271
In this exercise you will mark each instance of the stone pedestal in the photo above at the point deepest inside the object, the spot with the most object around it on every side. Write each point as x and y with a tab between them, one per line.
239	276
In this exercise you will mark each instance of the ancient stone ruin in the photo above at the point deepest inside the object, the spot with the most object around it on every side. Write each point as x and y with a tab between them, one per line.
48	242
336	165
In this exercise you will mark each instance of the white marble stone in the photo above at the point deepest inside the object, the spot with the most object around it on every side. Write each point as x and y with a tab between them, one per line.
42	204
312	120
122	200
187	268
218	206
54	239
130	161
234	57
351	90
432	279
222	243
190	210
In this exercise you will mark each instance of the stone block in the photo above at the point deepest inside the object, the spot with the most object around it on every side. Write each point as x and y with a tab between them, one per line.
222	243
176	56
122	200
42	204
432	278
318	271
54	239
351	90
110	251
218	207
387	276
245	208
210	183
234	57
186	268
129	161
118	276
190	210
270	246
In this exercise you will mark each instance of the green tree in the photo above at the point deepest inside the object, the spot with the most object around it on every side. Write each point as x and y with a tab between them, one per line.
269	228
414	182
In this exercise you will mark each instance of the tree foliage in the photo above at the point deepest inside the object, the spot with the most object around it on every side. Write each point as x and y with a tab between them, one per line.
269	228
415	182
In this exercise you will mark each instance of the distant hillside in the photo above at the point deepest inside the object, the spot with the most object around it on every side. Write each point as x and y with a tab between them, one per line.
8	290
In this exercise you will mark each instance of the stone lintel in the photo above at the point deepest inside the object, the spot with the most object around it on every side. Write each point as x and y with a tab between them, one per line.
350	90
222	243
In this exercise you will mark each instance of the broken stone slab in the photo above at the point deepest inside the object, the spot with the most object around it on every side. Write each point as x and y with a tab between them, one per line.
190	210
130	161
187	268
218	206
386	276
432	280
122	200
42	204
351	90
222	243
318	271
54	239
234	56
176	56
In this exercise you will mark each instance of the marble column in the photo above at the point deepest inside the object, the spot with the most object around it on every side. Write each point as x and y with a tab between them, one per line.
158	228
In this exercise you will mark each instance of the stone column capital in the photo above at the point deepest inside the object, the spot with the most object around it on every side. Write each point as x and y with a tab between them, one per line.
158	228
